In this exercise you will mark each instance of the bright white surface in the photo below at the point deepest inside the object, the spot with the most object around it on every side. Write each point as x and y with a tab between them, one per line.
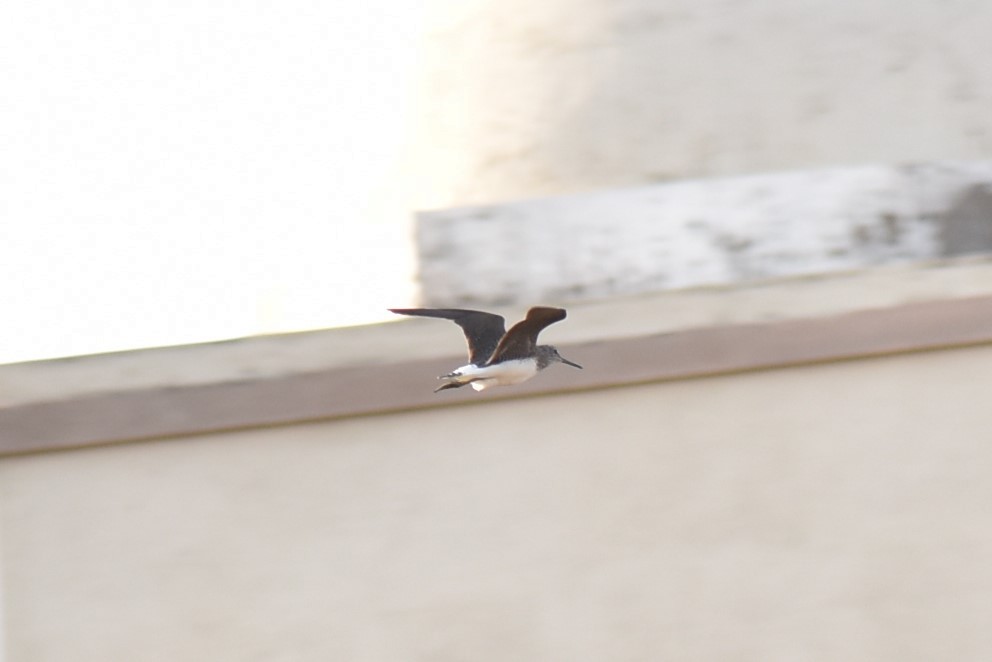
173	173
176	173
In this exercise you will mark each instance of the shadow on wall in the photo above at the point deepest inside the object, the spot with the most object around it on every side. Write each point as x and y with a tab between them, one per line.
966	227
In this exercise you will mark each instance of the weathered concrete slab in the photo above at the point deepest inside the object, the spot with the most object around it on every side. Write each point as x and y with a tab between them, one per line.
703	232
366	347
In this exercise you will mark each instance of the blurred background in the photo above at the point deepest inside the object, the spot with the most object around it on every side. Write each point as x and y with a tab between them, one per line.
770	221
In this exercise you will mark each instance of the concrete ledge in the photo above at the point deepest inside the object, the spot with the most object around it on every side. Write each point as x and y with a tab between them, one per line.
703	233
372	389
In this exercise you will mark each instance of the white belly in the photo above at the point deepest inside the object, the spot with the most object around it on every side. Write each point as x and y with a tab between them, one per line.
501	374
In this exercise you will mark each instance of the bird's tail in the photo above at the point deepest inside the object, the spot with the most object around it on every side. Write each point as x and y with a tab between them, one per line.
450	385
453	380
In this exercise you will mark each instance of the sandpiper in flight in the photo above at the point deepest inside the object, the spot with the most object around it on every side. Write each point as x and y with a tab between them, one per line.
497	357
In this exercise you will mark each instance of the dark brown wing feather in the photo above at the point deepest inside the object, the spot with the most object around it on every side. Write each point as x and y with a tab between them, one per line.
482	330
520	341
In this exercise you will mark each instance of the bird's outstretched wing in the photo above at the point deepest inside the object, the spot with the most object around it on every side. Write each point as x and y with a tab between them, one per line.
520	341
483	331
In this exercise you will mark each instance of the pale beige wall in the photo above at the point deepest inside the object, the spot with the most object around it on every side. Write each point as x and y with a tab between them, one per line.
521	98
823	513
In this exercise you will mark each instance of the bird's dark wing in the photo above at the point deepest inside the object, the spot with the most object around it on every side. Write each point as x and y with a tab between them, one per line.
482	330
520	341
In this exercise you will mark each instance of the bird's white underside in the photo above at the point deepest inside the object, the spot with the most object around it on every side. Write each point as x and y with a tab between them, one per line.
501	374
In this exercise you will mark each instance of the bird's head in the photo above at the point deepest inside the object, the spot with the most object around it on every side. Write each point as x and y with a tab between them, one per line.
548	354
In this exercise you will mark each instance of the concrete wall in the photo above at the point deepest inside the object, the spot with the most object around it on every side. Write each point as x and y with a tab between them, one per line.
703	232
311	503
525	99
818	513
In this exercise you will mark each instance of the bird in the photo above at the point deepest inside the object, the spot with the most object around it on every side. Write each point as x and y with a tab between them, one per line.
497	357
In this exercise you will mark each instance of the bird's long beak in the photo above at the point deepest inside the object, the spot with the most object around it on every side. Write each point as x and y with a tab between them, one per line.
567	362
